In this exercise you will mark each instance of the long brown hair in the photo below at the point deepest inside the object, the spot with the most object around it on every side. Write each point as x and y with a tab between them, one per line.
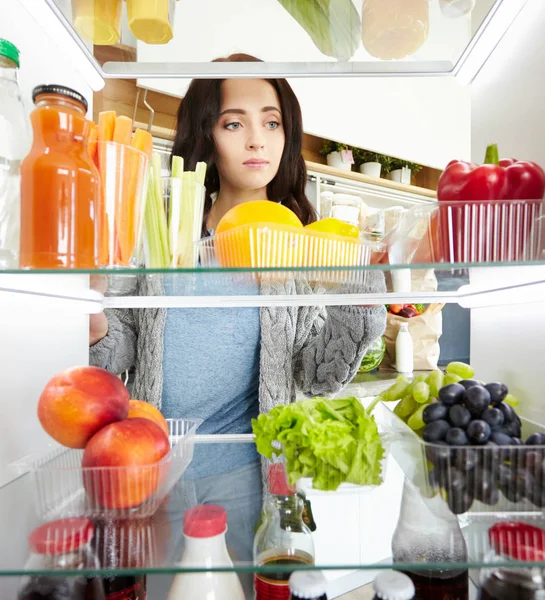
198	114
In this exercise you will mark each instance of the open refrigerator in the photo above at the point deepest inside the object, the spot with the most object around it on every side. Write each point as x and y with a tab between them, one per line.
485	62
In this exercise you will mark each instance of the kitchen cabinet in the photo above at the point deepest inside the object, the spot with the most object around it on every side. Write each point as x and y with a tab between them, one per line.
44	316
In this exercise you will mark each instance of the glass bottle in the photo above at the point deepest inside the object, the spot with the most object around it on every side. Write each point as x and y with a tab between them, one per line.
63	545
428	532
283	540
14	144
60	188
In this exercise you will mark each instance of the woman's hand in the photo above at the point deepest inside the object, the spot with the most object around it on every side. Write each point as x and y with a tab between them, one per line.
98	324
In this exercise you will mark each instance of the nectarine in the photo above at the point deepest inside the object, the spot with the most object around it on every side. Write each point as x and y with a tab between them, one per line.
78	402
138	409
135	446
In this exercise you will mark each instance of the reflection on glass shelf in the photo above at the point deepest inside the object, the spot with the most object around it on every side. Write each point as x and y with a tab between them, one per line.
376	36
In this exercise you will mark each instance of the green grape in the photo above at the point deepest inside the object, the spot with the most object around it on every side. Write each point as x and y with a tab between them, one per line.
451	378
435	381
405	407
396	391
421	392
416	379
461	369
416	420
511	400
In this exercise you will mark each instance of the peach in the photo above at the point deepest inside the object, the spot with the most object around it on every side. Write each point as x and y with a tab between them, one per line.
138	409
78	402
133	445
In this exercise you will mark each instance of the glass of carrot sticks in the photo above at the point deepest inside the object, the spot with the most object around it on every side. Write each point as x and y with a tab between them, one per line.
122	160
173	216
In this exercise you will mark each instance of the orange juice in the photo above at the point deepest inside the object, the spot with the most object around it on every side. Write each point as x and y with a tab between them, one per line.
60	188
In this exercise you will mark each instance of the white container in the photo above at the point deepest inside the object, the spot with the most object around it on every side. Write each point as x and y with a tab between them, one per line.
401	175
404	350
456	8
335	159
372	169
401	280
204	532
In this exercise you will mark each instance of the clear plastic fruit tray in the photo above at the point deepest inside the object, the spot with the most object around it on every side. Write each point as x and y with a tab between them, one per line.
477	480
62	488
470	232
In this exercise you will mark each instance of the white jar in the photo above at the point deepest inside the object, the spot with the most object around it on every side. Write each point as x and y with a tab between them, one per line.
404	350
204	532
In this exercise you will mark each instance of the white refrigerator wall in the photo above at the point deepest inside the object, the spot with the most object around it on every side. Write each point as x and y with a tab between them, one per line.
508	107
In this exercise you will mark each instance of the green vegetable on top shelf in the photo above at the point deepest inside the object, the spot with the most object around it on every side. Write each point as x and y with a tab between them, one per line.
331	441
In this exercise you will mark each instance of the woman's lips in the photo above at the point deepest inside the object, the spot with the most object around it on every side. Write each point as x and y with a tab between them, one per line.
256	163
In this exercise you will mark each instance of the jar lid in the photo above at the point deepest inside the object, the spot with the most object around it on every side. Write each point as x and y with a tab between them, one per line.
63	535
518	540
59	89
278	481
205	520
308	584
393	585
9	50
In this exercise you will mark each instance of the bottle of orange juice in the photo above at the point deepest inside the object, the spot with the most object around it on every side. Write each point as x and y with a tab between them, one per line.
60	189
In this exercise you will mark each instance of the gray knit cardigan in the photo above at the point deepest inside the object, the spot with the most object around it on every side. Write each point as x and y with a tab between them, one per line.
314	350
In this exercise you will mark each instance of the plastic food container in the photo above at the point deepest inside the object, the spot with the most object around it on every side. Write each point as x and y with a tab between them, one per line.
60	482
470	232
98	21
151	21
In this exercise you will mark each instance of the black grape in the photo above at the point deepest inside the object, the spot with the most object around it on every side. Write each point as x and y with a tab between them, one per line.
477	399
460	503
451	394
511	429
456	437
501	439
494	417
435	431
459	416
536	439
468	383
508	412
478	431
434	412
498	391
465	459
439	455
485	488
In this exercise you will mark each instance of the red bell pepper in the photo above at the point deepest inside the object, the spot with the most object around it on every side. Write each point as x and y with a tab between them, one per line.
507	179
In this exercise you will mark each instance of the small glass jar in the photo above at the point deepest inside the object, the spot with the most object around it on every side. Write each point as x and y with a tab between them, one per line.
62	545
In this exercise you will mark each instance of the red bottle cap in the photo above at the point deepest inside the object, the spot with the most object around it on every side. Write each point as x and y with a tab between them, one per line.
205	520
278	481
518	541
64	535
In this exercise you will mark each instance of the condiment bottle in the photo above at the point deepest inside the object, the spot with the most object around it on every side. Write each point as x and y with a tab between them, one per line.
60	189
393	585
204	531
63	545
14	144
283	540
428	532
308	585
404	350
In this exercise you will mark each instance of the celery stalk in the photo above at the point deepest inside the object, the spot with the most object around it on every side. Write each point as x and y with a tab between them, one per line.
155	219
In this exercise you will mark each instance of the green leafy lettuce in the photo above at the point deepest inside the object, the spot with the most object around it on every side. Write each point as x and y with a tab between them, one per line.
330	441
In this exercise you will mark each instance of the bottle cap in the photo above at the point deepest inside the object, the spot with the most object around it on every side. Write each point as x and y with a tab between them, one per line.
403	327
9	50
278	481
63	535
519	541
308	584
205	520
59	89
393	585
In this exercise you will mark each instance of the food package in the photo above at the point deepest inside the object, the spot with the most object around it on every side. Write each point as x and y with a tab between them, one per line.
425	329
98	21
394	29
151	21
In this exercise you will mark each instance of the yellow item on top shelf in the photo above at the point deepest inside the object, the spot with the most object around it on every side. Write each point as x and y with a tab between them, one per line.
98	21
336	227
151	21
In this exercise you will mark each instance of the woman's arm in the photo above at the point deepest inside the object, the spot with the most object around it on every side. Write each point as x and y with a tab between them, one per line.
329	351
116	351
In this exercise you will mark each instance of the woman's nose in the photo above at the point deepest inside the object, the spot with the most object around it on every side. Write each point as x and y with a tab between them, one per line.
256	141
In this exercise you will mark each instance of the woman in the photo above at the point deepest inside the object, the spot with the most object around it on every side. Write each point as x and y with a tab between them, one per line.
226	365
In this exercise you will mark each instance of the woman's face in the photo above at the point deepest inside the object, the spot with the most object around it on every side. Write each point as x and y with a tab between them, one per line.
249	134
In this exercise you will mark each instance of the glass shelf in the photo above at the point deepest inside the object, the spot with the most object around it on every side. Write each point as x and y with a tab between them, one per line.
396	38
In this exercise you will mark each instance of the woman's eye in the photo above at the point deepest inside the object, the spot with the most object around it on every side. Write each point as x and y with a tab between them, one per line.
273	125
233	126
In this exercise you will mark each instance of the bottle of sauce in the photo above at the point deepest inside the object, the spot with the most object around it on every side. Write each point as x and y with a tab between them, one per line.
63	545
60	188
308	585
428	532
283	541
393	585
204	532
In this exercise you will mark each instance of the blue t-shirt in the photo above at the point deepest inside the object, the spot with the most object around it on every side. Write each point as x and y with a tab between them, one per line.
211	371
